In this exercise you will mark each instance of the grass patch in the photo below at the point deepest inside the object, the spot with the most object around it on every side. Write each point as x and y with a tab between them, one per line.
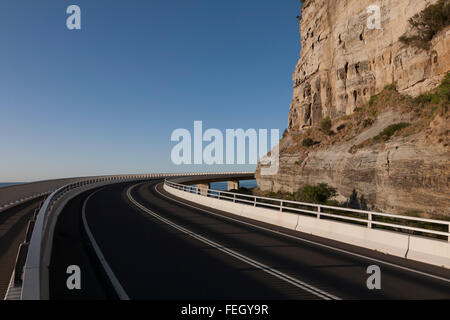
389	131
422	109
373	100
441	96
319	193
420	112
390	87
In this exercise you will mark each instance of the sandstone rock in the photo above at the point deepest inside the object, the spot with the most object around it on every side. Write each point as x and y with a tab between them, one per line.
342	64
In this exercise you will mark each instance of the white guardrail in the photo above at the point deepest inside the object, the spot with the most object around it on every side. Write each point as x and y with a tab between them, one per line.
22	200
398	223
35	285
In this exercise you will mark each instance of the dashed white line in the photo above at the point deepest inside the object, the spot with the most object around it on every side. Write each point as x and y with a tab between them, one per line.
280	275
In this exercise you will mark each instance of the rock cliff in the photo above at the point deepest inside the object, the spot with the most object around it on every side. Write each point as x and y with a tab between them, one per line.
343	64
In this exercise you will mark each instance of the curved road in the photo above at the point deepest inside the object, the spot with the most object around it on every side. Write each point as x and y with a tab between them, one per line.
157	246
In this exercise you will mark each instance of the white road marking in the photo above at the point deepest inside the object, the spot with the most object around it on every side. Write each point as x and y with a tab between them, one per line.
112	277
280	275
310	241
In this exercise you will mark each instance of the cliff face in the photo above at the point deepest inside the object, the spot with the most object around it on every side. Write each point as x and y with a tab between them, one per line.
343	63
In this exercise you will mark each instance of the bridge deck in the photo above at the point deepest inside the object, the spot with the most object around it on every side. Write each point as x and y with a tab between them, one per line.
153	259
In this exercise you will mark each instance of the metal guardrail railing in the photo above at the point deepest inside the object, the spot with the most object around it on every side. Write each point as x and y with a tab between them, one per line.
371	219
35	284
22	200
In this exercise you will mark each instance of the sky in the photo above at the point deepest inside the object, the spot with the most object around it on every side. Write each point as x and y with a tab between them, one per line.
105	99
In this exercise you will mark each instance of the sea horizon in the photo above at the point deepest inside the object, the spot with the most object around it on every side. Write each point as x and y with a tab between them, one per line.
8	184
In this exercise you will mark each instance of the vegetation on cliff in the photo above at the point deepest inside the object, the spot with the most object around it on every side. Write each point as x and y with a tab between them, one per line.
325	125
389	131
393	148
420	111
321	193
427	23
423	110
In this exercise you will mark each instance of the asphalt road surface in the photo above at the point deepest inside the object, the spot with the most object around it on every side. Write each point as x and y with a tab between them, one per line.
13	227
157	246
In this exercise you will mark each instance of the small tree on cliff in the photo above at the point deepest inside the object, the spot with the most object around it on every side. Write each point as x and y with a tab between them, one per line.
356	203
427	23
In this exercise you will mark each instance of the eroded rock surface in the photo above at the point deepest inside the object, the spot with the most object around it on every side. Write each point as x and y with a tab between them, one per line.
342	64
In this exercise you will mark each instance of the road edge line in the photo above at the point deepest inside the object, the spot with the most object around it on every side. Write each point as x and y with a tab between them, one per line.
112	277
278	274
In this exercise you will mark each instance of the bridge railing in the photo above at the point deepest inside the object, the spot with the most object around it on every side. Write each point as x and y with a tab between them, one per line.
400	223
35	283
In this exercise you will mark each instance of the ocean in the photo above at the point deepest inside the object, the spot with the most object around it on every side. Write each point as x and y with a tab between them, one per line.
222	186
7	184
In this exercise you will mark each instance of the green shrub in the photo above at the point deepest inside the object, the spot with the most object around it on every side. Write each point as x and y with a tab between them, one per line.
423	98
325	125
389	131
319	194
367	122
427	23
412	213
442	95
444	89
333	203
391	87
308	142
373	100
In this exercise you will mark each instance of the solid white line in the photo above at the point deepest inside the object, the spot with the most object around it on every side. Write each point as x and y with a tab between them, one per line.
310	241
280	275
112	277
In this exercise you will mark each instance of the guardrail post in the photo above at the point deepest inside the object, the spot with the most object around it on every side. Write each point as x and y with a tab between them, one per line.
319	210
234	200
369	223
254	202
20	263
281	206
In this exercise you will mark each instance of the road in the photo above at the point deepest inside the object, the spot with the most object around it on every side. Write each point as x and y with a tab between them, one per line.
13	227
157	246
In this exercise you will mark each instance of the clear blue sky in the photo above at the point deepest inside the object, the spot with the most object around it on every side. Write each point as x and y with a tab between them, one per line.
105	100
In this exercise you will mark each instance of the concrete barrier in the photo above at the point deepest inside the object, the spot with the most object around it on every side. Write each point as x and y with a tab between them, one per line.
286	220
282	219
380	240
426	250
